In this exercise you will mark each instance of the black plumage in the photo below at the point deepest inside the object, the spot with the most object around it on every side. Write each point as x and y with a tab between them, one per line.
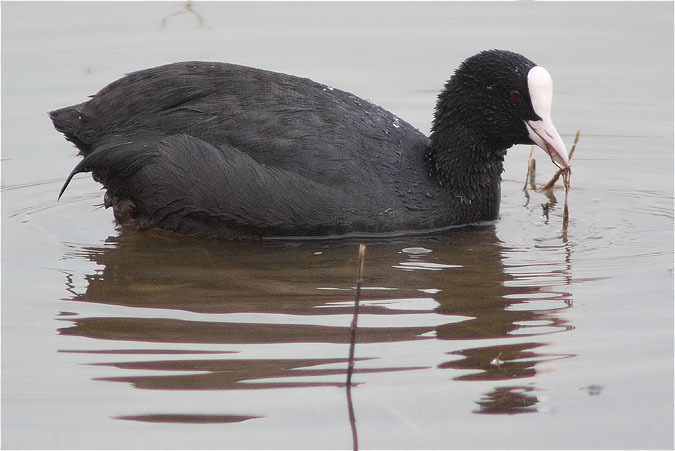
219	149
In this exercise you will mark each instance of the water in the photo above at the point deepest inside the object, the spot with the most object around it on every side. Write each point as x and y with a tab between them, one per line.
510	335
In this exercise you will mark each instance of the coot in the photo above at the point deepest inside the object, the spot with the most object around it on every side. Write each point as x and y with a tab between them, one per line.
216	149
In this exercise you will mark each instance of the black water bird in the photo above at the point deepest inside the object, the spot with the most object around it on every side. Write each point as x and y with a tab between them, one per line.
217	149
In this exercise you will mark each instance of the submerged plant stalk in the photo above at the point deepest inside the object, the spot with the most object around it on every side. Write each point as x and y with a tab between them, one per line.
531	169
562	172
355	318
352	345
566	174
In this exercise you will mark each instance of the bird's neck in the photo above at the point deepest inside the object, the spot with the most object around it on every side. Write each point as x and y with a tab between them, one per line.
468	169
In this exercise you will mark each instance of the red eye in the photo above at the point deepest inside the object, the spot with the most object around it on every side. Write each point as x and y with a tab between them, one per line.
515	96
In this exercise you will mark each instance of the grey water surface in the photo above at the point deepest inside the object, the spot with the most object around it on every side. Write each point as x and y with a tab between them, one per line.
509	335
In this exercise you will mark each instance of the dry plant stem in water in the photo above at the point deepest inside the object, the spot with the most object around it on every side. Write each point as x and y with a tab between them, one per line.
531	169
562	172
352	327
566	173
352	345
548	187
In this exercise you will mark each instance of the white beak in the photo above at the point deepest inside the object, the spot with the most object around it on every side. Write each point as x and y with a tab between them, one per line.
543	132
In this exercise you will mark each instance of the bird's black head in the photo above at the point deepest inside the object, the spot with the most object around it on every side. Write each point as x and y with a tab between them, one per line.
496	99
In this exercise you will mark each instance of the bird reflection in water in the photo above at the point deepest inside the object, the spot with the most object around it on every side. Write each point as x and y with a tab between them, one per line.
169	296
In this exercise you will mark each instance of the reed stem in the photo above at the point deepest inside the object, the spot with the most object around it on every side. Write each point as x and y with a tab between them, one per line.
355	318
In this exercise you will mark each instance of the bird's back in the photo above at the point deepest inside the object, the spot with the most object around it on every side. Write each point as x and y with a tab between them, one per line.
278	119
301	130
